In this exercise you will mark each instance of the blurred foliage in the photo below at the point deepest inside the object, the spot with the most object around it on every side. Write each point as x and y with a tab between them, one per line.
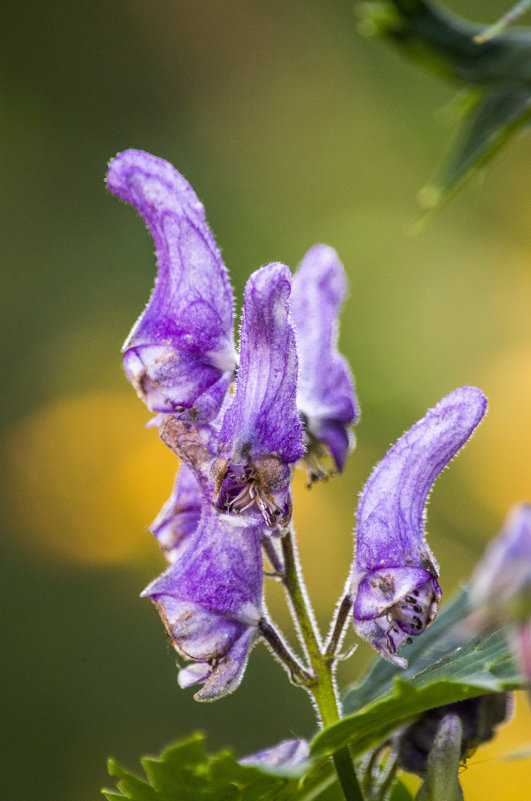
292	129
493	65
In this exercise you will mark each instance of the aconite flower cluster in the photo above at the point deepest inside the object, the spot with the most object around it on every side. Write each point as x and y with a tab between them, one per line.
241	419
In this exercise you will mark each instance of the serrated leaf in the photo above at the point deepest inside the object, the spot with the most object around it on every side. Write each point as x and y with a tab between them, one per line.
185	772
442	669
130	785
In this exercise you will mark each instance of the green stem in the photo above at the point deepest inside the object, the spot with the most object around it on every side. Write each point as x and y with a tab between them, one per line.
323	687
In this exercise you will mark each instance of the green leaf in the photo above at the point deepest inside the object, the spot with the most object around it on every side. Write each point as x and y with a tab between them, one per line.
497	70
498	115
399	792
442	669
185	772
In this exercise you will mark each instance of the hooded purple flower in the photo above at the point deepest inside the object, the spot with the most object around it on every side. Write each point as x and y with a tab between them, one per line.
394	576
180	354
236	428
326	398
181	359
244	459
210	600
261	433
500	588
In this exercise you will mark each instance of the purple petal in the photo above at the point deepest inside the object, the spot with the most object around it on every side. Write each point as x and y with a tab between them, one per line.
179	517
286	754
325	393
394	577
261	433
180	353
390	515
210	601
263	417
500	587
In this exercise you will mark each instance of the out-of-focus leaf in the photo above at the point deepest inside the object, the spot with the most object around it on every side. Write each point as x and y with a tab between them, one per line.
442	777
493	120
443	669
184	772
399	792
511	16
498	69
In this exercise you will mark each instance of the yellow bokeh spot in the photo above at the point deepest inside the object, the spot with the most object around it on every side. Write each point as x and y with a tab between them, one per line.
85	479
492	772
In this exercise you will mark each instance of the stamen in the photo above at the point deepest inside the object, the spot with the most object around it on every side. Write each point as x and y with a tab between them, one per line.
239	492
414	612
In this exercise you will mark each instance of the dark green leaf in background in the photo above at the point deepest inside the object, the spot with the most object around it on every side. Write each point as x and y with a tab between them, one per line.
498	70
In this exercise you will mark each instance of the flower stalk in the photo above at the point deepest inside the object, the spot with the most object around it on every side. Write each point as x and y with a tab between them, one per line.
322	688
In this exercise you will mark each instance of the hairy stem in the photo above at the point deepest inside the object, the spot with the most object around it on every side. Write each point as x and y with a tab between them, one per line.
323	688
337	629
298	674
273	556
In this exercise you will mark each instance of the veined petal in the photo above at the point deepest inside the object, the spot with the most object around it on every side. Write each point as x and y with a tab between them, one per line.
325	393
263	418
180	354
195	445
394	576
261	433
390	515
179	517
210	601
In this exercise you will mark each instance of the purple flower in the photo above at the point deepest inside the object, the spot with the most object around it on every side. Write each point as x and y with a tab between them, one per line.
394	577
325	393
286	754
179	517
180	354
233	421
243	460
261	434
210	600
500	588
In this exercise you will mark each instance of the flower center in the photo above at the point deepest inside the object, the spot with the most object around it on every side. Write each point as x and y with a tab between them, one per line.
245	488
411	614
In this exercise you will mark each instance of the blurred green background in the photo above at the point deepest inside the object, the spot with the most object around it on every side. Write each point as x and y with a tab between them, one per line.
293	129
